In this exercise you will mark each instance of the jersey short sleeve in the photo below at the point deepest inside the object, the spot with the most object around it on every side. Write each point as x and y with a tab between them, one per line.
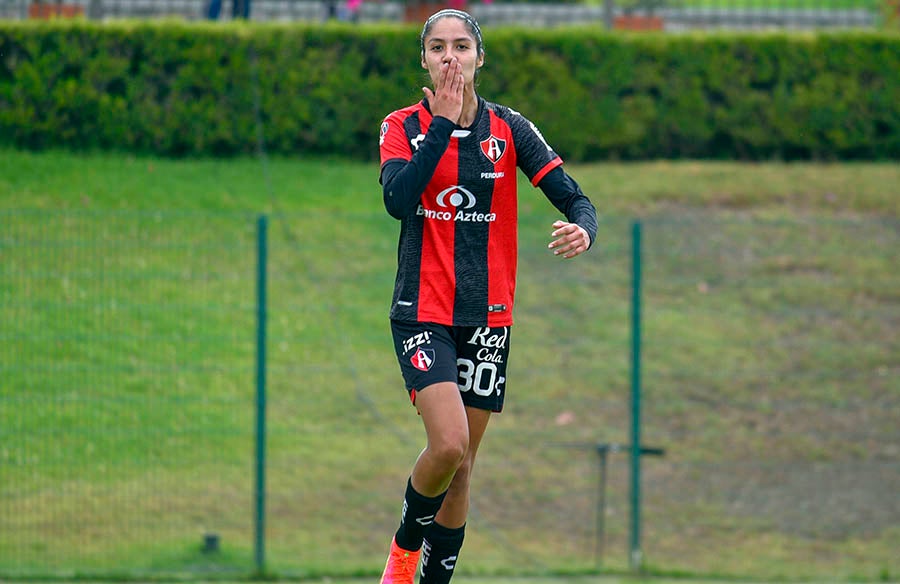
535	156
393	143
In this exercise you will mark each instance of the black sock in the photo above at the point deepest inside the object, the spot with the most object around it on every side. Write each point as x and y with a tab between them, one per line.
439	553
418	513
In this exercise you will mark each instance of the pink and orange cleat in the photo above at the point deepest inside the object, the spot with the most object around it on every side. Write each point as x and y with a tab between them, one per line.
401	565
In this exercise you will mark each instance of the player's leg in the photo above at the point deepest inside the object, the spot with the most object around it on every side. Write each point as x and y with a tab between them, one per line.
455	508
444	537
427	356
446	428
482	355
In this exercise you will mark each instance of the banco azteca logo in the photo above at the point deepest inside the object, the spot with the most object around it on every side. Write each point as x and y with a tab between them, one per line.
458	197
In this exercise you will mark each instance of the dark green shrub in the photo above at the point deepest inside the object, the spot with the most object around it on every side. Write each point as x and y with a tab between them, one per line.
177	88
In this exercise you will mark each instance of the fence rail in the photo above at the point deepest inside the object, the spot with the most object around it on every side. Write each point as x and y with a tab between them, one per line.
128	405
675	15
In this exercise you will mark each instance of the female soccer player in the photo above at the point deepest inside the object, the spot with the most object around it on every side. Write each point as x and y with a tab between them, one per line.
448	171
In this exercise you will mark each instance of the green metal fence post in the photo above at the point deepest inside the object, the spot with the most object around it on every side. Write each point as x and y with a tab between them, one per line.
635	555
260	486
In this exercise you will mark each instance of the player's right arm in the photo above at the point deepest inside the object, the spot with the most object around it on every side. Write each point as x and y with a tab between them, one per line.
405	173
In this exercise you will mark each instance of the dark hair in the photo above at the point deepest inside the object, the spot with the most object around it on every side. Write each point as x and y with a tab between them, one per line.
464	16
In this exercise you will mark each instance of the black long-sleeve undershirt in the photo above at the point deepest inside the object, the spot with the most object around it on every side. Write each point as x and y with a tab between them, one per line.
567	196
404	182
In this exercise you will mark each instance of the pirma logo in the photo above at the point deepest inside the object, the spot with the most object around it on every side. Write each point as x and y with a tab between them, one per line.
422	359
493	148
416	141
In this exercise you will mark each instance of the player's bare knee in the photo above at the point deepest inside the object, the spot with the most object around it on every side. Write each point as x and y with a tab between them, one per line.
451	451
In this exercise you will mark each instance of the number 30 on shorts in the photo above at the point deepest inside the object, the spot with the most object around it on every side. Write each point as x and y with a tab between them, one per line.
482	379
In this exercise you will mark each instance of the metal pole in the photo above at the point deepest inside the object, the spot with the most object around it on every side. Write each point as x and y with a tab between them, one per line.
609	8
260	512
635	556
603	451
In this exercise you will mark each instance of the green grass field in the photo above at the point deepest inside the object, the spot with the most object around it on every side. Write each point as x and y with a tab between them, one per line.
57	180
126	394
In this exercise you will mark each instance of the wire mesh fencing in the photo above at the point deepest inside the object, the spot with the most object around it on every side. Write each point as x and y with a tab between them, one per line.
127	348
128	399
771	363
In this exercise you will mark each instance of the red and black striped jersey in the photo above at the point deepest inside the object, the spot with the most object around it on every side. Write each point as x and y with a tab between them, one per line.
457	252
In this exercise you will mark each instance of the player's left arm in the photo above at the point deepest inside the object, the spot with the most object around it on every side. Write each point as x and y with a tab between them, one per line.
543	167
575	235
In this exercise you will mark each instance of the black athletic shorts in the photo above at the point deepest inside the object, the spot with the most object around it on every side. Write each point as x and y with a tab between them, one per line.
473	357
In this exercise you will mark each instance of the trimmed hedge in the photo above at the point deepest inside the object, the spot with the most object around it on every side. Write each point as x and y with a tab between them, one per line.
176	88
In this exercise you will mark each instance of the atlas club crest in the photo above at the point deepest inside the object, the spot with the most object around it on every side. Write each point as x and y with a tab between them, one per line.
422	359
494	148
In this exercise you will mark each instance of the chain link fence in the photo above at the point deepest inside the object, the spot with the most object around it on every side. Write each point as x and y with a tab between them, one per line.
128	399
